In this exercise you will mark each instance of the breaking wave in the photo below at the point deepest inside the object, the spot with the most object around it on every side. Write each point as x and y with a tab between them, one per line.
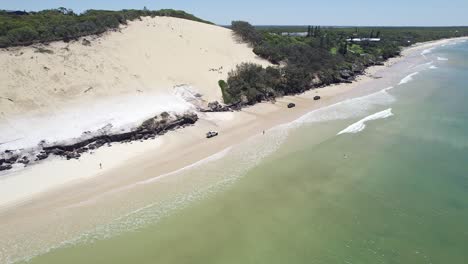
361	124
427	51
408	78
423	65
347	109
218	171
442	59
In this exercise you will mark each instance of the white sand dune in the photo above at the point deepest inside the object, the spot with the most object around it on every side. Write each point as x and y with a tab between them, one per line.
173	60
52	202
147	67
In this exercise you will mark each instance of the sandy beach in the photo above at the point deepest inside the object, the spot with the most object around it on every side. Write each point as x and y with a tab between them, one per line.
55	191
121	78
137	161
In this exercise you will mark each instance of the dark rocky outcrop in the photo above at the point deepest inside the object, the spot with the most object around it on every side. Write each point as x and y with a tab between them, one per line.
357	68
149	129
86	42
12	159
345	76
316	98
291	105
217	107
42	155
5	167
24	160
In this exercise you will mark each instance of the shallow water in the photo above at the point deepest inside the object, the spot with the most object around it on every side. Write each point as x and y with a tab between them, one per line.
393	191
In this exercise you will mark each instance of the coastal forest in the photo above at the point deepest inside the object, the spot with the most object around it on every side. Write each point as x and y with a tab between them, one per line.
312	56
18	28
303	57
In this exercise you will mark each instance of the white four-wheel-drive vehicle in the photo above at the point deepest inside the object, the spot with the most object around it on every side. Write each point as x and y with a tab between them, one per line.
211	134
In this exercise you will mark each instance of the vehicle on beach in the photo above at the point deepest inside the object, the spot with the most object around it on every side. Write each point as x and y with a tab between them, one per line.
291	105
211	134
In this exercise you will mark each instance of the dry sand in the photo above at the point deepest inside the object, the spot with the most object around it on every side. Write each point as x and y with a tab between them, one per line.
149	56
127	163
58	91
51	202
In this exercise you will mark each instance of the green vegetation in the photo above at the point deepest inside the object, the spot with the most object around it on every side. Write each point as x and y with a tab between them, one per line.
316	56
226	97
246	32
22	28
252	83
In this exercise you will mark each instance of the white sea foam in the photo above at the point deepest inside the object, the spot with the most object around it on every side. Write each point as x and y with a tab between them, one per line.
349	108
225	166
408	78
361	124
442	59
423	65
107	116
237	160
276	136
213	157
433	67
427	51
199	163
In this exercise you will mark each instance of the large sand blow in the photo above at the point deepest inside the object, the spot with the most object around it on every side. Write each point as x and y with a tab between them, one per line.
147	67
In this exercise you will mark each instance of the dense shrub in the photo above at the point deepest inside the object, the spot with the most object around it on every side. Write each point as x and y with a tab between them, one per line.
227	98
251	83
323	56
18	28
21	35
246	32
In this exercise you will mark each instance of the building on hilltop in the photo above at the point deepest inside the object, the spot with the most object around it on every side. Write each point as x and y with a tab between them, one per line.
363	40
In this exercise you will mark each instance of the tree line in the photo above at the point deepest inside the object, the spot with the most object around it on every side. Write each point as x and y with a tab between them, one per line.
26	28
325	55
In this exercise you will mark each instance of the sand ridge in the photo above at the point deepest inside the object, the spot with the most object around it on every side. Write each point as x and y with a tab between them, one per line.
182	148
58	91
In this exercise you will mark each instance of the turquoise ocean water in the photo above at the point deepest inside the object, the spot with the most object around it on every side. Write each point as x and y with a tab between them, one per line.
378	179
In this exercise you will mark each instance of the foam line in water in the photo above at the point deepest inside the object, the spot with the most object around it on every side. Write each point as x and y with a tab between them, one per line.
427	51
408	78
423	65
388	88
213	157
442	59
361	124
433	67
349	108
243	157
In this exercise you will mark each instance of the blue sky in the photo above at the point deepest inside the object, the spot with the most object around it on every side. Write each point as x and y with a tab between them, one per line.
290	12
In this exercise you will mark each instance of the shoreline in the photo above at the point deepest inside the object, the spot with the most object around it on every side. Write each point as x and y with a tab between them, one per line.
129	163
144	182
